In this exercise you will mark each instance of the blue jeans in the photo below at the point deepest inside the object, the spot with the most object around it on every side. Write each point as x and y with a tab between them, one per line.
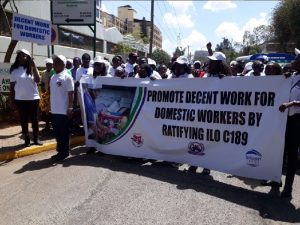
60	124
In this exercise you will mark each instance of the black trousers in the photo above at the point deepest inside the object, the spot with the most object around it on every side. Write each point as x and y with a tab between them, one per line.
292	143
28	110
60	124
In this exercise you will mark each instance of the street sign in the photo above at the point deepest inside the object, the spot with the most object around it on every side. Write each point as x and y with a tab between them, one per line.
73	12
31	29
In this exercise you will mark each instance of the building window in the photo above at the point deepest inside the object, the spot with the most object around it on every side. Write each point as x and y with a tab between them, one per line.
97	13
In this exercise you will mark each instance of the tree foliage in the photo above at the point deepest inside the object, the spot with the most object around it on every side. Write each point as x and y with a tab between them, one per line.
121	48
161	56
227	48
286	22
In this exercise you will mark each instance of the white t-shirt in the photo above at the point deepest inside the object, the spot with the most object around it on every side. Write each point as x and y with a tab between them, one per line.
185	75
112	71
295	95
129	68
154	75
251	74
83	71
25	87
60	85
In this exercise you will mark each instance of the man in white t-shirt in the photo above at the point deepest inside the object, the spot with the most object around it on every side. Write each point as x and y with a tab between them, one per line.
132	58
61	102
85	68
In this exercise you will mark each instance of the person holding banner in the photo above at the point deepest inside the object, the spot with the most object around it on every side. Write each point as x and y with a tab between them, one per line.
61	102
292	139
24	92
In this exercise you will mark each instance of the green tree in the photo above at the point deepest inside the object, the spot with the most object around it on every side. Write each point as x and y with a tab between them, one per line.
121	48
286	22
3	16
161	56
227	48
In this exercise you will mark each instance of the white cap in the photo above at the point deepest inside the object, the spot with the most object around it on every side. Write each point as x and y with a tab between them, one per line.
182	60
24	51
297	51
70	60
197	61
49	60
247	67
61	57
99	59
217	56
151	62
233	63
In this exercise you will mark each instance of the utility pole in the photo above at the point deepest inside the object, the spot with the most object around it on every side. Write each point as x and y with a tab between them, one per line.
152	26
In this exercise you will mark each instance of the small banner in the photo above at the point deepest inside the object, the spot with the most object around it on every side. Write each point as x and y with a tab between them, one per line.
231	125
31	29
4	77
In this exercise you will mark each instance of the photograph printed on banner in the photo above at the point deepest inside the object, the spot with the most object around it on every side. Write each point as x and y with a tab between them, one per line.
107	110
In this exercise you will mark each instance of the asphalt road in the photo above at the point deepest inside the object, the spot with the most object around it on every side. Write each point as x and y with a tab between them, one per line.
105	189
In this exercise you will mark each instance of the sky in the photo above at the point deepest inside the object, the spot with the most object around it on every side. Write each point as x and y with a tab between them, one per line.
195	23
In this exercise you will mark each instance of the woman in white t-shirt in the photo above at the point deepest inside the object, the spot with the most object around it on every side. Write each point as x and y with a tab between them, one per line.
24	91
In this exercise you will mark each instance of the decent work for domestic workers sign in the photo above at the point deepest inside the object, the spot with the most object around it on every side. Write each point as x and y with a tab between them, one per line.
4	77
232	125
31	29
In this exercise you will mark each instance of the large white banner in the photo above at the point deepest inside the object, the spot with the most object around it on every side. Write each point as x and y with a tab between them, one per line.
232	125
31	29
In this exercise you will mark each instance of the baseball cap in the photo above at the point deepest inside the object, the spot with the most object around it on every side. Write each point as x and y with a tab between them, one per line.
61	57
217	56
197	61
247	67
182	60
233	63
49	60
99	59
151	62
24	51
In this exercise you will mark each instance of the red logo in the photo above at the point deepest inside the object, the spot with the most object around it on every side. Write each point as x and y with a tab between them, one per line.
137	140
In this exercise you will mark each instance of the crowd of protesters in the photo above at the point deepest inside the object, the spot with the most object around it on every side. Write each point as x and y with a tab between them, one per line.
59	82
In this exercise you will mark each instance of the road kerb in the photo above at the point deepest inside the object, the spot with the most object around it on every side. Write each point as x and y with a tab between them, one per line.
37	149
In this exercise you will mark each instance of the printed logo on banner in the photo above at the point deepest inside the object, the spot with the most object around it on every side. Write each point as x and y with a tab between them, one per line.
137	140
196	148
253	158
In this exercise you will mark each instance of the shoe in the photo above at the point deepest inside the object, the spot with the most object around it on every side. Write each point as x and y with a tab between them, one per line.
27	141
91	150
36	141
286	193
60	157
192	169
271	183
54	156
205	171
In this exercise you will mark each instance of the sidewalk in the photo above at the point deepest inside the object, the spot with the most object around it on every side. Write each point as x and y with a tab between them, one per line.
12	145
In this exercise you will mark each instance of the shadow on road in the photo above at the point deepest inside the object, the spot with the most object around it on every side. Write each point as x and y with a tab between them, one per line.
268	205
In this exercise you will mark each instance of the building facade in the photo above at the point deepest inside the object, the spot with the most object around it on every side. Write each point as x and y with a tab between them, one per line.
126	22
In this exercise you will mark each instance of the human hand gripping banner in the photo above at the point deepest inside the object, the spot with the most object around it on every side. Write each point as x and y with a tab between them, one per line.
231	125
